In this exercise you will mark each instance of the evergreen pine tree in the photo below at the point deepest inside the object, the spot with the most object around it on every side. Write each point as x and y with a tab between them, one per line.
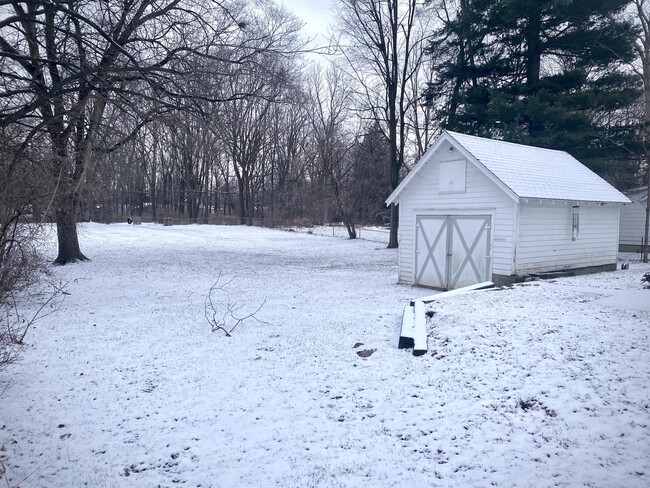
545	73
370	177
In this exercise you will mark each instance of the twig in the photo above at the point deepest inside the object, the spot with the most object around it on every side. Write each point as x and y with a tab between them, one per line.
59	291
225	316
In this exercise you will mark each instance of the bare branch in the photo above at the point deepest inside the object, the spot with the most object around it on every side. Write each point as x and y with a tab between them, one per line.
225	314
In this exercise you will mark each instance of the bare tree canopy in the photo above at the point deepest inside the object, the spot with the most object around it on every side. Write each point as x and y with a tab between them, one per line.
62	63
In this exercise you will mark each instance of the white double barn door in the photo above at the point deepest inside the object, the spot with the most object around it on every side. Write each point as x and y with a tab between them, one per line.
452	251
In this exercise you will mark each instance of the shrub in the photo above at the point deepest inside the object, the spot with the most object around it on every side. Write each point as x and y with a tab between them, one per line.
22	265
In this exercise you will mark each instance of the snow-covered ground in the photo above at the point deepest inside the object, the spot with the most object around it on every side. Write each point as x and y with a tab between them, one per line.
542	384
368	233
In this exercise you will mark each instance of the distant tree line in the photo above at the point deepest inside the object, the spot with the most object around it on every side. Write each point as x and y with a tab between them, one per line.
215	111
267	161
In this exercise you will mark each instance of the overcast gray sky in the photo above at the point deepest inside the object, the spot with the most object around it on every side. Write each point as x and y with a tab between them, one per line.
314	13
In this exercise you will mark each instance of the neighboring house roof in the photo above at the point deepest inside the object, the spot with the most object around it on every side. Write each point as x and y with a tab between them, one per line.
639	195
525	171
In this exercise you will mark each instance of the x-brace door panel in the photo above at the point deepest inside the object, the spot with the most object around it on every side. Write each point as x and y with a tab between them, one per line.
431	251
469	253
452	251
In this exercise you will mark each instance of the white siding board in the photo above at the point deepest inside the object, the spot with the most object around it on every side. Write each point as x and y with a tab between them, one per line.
632	227
545	237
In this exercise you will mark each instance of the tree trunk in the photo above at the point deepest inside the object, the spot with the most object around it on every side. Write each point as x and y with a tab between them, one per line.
349	225
645	59
394	222
154	200
242	202
393	174
66	230
647	219
533	65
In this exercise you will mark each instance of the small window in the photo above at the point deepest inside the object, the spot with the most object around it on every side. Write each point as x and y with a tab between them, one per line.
452	177
575	222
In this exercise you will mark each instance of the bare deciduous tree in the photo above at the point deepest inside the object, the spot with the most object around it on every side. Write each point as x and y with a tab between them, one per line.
330	122
64	63
245	122
382	42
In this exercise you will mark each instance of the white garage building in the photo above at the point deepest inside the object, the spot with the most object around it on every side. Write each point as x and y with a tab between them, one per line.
632	229
476	209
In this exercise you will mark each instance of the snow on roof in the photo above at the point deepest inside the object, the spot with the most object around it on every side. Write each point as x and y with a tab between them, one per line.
534	172
526	171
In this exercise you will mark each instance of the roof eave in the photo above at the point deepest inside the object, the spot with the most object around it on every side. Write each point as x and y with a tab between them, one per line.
394	196
578	200
446	137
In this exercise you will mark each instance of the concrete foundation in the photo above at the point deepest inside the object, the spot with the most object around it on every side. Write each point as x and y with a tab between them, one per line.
501	280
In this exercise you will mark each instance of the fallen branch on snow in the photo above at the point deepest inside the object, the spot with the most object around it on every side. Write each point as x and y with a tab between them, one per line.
222	313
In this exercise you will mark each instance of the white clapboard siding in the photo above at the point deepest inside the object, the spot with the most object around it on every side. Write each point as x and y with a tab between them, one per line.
632	224
481	196
545	236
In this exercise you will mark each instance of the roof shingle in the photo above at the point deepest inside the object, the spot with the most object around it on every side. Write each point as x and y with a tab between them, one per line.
533	172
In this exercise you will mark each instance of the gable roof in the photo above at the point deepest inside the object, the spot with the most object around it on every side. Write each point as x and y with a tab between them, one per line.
524	171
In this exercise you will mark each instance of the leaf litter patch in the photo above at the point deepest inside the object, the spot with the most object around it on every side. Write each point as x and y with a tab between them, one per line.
532	404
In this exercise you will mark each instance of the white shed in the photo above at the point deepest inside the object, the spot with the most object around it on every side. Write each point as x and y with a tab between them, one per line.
632	231
476	209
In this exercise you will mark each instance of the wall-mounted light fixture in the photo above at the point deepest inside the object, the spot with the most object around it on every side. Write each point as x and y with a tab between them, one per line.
575	222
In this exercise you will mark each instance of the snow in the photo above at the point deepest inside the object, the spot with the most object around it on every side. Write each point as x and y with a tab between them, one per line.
624	299
541	384
367	233
534	172
457	291
419	329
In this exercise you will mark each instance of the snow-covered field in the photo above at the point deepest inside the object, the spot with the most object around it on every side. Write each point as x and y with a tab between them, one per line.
542	384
